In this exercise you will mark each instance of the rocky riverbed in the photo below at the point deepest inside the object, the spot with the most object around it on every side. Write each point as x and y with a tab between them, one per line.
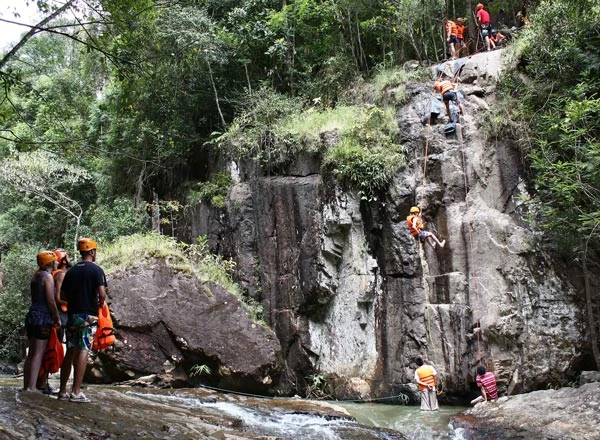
125	412
562	414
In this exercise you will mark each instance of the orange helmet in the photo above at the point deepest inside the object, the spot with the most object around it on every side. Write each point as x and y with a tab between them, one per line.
45	258
479	6
86	244
415	209
60	254
459	19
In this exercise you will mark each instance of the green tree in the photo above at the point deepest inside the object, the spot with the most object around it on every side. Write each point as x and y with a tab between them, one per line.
49	179
560	101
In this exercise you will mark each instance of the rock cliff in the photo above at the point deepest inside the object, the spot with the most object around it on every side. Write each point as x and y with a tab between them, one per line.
352	296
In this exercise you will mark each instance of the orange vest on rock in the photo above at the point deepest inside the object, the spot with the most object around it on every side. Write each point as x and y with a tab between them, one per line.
425	374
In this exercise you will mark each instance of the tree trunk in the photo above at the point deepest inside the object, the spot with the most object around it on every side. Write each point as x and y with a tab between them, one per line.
212	82
155	212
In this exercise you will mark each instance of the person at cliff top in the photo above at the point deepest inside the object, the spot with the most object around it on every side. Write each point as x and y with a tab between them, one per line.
41	317
426	378
486	381
485	24
448	91
84	290
451	36
460	36
62	264
498	39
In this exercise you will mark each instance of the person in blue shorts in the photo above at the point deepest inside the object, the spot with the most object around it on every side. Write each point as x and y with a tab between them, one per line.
84	290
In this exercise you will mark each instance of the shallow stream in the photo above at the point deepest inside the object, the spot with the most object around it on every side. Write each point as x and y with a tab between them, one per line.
410	420
271	420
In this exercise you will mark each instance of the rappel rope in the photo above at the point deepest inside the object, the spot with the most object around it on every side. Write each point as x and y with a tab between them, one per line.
403	398
455	79
470	234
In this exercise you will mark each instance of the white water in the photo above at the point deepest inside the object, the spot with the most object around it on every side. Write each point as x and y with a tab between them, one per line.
272	421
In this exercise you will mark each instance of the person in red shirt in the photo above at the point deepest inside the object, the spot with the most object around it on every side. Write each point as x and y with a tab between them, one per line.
485	24
486	381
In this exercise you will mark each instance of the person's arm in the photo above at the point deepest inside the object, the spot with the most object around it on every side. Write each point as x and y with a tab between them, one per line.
101	296
415	223
58	280
48	287
483	393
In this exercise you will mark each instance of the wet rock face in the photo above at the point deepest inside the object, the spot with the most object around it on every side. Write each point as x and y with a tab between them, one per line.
168	321
351	294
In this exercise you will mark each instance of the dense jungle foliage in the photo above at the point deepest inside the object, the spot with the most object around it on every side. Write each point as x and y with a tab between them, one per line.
110	105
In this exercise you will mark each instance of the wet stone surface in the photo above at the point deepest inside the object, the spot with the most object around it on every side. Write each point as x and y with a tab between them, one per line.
129	413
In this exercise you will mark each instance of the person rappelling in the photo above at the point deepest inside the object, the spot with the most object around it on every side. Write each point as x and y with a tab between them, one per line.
415	225
449	93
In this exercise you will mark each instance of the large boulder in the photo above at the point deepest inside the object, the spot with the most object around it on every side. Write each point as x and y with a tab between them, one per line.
168	321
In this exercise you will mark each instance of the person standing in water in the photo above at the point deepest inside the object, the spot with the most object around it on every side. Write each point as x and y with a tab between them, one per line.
426	378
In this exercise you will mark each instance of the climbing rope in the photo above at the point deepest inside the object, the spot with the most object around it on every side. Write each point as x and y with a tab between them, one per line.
403	398
455	80
470	235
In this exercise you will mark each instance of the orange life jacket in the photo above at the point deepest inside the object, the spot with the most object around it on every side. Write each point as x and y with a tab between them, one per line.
425	374
53	355
414	231
443	86
105	333
460	31
451	28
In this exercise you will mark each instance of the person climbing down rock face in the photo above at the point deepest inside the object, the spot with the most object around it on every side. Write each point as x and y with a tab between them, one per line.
448	91
415	225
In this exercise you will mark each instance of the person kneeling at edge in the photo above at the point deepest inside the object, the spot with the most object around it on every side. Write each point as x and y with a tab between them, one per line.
415	225
486	381
448	91
426	378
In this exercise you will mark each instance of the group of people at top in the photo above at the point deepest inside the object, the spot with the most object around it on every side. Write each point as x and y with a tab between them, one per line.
455	33
427	380
65	298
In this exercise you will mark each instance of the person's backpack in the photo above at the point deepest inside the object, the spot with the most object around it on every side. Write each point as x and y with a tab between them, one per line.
105	334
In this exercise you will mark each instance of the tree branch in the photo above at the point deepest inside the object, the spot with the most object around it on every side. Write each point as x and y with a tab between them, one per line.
34	30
